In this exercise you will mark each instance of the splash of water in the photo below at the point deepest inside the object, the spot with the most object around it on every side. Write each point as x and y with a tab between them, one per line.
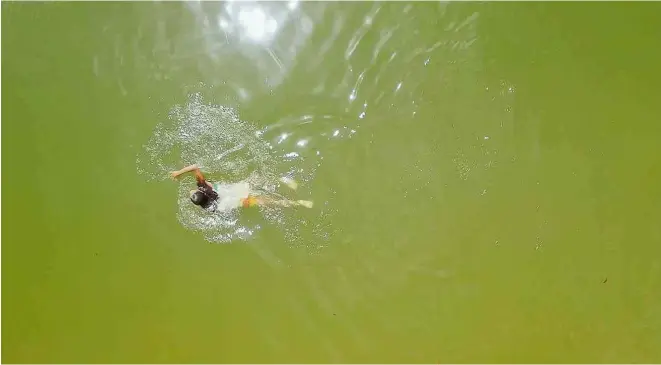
228	150
210	135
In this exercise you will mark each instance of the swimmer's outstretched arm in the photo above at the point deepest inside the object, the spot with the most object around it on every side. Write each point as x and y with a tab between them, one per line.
186	169
198	174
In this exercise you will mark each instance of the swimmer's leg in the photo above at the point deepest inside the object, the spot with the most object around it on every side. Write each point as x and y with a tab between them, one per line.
305	203
267	200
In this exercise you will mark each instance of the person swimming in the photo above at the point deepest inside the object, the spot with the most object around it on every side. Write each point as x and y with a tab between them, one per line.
222	197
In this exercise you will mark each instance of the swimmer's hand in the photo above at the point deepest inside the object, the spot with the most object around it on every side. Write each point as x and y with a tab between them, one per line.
174	175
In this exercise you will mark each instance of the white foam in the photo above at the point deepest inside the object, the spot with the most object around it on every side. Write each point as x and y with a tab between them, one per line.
228	150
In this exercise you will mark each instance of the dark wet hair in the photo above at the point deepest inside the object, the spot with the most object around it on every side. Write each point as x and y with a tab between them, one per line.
200	198
204	196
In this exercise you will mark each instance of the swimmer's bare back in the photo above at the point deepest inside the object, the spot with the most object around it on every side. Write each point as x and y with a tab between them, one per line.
205	194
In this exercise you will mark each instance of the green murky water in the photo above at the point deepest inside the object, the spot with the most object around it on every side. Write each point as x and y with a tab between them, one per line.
486	179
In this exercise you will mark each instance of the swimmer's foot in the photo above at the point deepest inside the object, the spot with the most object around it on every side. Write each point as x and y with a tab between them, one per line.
291	183
305	203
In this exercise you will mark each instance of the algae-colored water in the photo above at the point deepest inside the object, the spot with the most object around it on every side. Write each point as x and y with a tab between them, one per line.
486	179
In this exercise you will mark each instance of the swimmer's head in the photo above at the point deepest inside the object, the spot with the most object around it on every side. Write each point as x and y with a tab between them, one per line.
200	198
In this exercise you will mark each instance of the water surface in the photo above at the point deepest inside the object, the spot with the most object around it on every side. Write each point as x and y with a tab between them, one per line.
485	176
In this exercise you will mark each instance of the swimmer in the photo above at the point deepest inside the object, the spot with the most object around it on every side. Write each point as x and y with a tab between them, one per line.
216	196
